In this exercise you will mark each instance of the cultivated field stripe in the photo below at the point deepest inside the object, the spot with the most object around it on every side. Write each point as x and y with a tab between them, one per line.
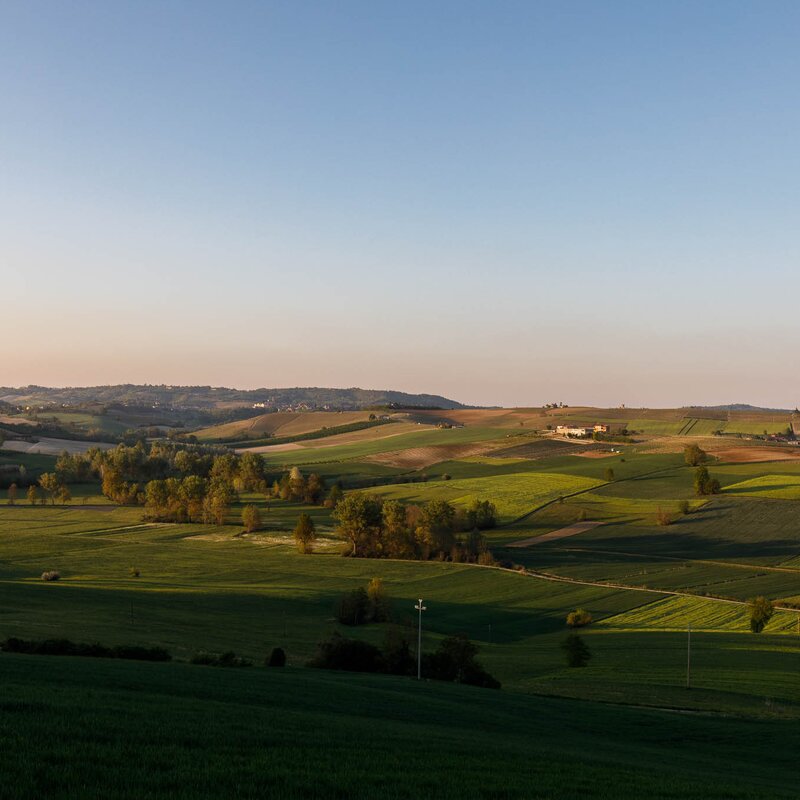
561	533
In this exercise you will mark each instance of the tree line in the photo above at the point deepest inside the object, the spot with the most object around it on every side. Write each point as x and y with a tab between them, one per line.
389	529
177	483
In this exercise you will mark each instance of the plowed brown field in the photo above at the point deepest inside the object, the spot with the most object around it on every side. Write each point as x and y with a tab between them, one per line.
420	457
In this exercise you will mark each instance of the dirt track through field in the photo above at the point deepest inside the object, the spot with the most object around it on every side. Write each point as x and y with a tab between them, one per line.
561	533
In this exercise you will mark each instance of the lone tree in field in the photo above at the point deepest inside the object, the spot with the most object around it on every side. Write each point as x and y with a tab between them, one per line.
694	455
577	652
305	534
704	484
251	518
761	611
609	475
12	494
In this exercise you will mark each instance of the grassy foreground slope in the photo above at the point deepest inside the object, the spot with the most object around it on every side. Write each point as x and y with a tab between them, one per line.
76	728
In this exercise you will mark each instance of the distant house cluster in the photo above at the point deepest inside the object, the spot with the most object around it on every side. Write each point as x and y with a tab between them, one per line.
580	431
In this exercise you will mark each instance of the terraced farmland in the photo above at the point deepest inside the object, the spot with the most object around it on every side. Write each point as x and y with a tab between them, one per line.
694	426
678	613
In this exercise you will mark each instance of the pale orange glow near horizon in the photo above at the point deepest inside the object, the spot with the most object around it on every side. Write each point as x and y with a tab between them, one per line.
570	216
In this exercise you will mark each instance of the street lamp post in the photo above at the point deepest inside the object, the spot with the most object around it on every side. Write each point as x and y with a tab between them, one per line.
419	607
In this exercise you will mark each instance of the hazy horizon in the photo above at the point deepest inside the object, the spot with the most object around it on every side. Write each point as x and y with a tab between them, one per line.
276	387
504	205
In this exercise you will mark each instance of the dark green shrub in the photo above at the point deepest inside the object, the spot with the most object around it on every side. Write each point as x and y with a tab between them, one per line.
228	659
65	647
397	655
353	607
578	618
277	658
137	653
577	652
455	661
352	655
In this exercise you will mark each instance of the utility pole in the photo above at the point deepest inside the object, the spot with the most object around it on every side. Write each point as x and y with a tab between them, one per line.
419	607
688	656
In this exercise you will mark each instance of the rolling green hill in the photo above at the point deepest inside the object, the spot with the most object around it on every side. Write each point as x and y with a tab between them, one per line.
87	728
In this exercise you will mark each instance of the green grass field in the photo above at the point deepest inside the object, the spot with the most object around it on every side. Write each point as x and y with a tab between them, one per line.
85	422
204	587
558	732
514	495
34	463
656	427
758	427
81	728
781	487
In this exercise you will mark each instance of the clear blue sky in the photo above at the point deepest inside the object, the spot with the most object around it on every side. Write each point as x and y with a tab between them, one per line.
511	203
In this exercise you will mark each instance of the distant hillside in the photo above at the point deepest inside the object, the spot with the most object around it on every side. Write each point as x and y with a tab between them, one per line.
747	407
210	397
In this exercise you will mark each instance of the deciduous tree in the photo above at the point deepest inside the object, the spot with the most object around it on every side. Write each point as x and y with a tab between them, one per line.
251	518
50	484
305	534
436	526
359	523
693	455
761	610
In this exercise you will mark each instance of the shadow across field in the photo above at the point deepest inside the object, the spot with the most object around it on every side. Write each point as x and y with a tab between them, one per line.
689	546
